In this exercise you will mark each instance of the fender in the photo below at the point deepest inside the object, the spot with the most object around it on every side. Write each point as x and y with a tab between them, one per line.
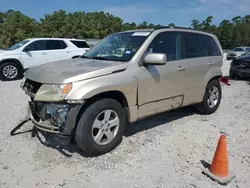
124	82
212	73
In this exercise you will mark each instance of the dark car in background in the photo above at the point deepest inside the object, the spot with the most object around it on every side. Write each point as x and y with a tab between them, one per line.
237	52
240	67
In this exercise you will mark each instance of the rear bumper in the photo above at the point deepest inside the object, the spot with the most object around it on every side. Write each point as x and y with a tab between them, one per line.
61	120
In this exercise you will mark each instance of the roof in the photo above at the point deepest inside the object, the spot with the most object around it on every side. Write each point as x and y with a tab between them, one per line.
51	38
167	28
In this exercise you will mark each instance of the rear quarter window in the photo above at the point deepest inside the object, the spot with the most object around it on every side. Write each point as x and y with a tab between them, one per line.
80	44
209	46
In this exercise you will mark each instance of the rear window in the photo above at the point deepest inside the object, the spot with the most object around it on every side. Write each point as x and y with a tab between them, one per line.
80	44
55	45
209	46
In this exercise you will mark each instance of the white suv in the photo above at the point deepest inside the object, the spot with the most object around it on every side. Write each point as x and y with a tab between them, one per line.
36	51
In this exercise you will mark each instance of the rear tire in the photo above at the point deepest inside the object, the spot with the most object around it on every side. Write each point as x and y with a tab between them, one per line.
9	71
96	138
211	99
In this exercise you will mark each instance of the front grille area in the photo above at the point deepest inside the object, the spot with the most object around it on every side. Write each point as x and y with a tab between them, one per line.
49	116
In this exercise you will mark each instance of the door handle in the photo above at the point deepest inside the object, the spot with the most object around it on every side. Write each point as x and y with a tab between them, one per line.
68	52
44	53
180	68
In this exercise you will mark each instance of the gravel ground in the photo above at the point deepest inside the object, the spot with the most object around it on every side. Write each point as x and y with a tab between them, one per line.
163	151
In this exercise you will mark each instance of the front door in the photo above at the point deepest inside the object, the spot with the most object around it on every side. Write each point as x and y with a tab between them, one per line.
162	87
34	54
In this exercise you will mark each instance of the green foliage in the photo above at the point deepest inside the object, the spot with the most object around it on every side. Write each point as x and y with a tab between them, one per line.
15	26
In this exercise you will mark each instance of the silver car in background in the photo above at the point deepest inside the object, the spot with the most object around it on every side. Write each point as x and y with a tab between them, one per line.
237	52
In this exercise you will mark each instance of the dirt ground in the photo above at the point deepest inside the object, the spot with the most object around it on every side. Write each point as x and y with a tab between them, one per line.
162	151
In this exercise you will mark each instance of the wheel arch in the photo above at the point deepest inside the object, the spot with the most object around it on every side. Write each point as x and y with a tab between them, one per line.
214	73
13	60
113	94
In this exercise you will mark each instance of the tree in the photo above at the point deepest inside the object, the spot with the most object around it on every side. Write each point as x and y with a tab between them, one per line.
15	26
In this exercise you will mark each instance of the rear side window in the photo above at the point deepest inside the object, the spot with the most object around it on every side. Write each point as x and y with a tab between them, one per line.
55	45
80	44
238	49
191	45
209	46
37	45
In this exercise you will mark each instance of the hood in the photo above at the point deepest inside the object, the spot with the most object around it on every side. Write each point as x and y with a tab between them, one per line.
73	70
2	51
9	52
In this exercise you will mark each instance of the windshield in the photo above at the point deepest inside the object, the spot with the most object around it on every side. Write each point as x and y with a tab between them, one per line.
117	47
18	45
238	49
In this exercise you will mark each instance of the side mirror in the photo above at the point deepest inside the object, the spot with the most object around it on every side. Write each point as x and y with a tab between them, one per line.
155	59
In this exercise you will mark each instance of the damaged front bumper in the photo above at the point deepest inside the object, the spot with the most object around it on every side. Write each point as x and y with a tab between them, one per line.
57	118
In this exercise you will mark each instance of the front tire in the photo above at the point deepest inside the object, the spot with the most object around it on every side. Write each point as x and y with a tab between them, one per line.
101	127
211	99
9	71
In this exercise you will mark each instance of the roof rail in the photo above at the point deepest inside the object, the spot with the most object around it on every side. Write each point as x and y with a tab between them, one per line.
177	27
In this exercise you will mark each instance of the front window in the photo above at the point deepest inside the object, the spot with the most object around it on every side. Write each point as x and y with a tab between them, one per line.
18	45
238	49
117	47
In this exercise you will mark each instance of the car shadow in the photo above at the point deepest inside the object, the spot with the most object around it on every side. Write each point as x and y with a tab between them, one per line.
67	150
48	139
157	120
16	79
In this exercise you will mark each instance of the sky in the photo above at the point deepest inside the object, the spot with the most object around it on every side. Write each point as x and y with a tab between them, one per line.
180	12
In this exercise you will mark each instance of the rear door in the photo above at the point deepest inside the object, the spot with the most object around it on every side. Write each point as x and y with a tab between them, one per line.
56	50
35	54
202	54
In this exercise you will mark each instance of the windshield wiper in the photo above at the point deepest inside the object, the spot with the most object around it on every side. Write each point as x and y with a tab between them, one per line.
99	58
83	56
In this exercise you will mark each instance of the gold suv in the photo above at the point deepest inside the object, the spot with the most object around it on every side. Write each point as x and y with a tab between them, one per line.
127	76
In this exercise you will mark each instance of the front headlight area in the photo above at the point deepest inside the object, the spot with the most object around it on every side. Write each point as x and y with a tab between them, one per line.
52	92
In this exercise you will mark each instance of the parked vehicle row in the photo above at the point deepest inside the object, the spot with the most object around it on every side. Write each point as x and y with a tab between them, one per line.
37	51
240	67
127	76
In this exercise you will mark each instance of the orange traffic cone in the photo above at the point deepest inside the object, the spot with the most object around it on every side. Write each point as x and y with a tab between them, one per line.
219	171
